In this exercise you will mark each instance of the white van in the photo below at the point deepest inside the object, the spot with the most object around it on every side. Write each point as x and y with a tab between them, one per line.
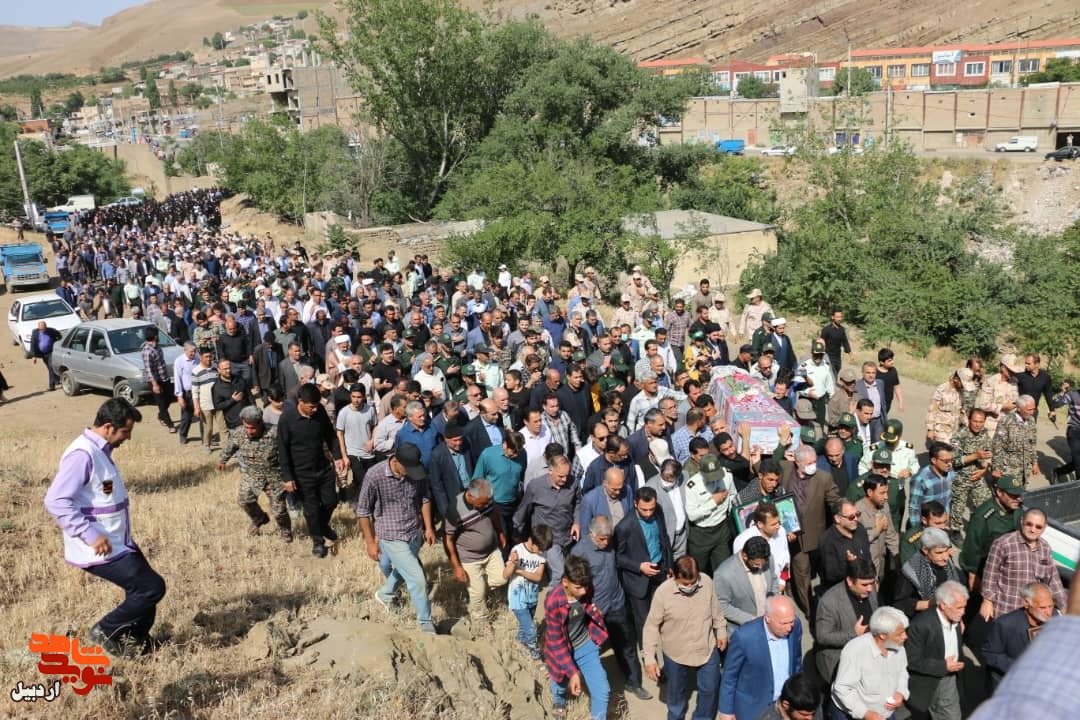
75	203
1018	143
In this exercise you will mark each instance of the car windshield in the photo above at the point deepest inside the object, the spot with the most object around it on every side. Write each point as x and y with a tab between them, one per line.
129	340
45	309
26	260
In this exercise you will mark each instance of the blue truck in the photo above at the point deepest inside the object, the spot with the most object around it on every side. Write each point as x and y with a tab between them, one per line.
731	147
23	266
56	220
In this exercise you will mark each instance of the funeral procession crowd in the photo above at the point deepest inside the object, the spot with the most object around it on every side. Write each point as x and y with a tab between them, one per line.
581	461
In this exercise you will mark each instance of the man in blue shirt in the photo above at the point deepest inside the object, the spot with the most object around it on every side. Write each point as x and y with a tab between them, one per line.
418	431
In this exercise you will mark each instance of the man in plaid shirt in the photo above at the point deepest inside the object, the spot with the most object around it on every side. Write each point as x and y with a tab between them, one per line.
394	498
156	375
560	426
933	482
1016	559
574	631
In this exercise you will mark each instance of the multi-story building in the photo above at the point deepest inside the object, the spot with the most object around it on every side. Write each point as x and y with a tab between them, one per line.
963	65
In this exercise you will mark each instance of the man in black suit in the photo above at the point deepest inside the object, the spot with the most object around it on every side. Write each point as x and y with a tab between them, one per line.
483	429
1011	633
449	468
289	370
42	340
873	389
934	650
643	554
266	366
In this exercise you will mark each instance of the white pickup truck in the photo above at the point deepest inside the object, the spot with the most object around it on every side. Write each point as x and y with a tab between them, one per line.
75	203
1018	143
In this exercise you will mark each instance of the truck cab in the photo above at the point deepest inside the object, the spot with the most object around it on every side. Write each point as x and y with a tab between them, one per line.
23	266
731	147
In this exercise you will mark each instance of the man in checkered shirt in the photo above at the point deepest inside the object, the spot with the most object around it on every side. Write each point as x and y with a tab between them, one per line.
1015	560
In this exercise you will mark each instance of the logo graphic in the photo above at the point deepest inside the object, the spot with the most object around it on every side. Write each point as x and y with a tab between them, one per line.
62	656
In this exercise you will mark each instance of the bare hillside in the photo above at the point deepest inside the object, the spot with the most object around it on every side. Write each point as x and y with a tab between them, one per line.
645	30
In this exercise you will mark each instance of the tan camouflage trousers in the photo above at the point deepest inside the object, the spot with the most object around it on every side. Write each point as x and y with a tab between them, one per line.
247	496
966	496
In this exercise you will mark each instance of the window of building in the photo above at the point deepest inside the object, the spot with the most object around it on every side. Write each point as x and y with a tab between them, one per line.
875	71
1028	66
974	69
776	76
721	79
920	70
763	75
741	75
1001	66
945	69
827	73
897	71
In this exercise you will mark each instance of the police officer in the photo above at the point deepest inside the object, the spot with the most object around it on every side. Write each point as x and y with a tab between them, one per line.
256	447
882	464
710	496
905	461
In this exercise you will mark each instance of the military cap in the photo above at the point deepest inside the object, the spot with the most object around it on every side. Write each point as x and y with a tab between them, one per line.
808	435
881	456
891	433
697	335
608	383
768	348
409	333
847	420
578	356
711	469
445	339
817	348
1011	484
767	317
468	369
482	349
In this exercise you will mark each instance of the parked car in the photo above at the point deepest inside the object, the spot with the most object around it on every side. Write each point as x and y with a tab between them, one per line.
26	312
126	200
778	151
1018	143
853	149
731	147
1067	152
106	354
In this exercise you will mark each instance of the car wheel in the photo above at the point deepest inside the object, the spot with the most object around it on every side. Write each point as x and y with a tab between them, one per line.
1030	150
69	384
124	391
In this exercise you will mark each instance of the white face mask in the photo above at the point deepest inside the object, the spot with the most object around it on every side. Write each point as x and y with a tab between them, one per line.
809	470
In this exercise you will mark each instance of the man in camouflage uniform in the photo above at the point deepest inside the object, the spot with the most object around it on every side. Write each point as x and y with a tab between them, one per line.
998	394
905	462
943	415
450	364
1014	443
256	447
969	392
973	446
882	464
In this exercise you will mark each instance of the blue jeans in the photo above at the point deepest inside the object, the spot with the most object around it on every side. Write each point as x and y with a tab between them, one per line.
143	589
708	687
526	626
400	560
587	659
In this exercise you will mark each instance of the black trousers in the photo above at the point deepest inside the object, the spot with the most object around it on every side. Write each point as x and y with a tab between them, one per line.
624	644
359	467
639	607
187	415
318	497
143	589
162	400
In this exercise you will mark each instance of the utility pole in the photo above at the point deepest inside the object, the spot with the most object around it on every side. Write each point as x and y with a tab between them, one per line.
31	209
888	115
848	38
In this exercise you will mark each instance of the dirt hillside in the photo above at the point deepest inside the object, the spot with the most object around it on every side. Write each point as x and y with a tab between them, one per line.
644	30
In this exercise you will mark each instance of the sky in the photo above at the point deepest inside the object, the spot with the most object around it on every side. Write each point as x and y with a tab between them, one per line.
46	13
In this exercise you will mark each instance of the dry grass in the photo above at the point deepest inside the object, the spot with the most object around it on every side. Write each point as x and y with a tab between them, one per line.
220	583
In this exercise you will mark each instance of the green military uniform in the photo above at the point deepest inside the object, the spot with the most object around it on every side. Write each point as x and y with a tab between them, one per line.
989	522
760	336
807	436
1014	447
453	380
854	444
969	490
260	472
897	487
910	543
405	355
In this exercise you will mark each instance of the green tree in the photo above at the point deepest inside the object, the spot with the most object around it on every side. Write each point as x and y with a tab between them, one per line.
111	75
53	176
433	77
753	87
9	113
173	94
1046	315
74	102
860	80
206	41
143	73
37	107
728	185
190	91
301	15
1056	70
218	41
151	93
